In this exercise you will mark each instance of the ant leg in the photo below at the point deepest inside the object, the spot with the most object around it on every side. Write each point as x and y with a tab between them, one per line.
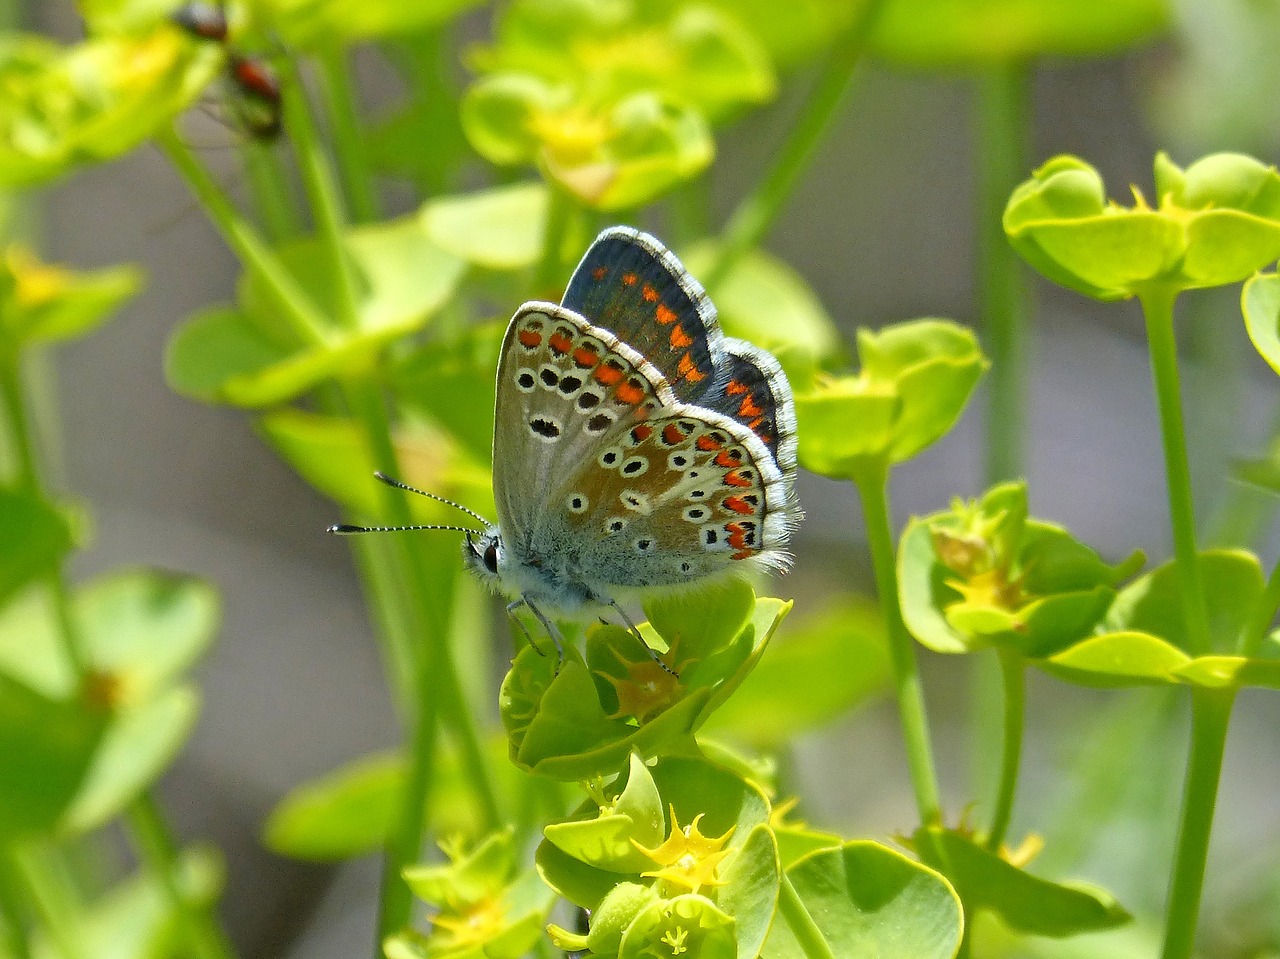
635	631
511	614
552	631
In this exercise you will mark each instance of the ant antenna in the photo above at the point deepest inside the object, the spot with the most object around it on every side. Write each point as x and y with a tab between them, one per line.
345	529
439	499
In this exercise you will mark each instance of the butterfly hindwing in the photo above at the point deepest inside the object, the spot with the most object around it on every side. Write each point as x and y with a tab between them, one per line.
675	498
563	386
629	283
751	388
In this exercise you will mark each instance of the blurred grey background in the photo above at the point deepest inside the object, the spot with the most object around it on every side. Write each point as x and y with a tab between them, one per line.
883	227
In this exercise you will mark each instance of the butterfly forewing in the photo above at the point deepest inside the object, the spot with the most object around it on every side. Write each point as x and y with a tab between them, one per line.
751	389
628	283
672	499
563	386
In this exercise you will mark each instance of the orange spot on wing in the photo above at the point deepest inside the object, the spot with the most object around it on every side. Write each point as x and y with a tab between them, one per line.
599	273
560	342
754	426
733	479
679	338
628	279
738	505
688	370
641	433
729	459
671	435
737	535
649	293
749	408
735	387
530	339
586	357
707	443
629	394
743	554
665	316
608	372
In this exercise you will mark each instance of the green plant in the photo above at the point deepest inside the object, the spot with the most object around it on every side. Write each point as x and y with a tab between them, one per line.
616	808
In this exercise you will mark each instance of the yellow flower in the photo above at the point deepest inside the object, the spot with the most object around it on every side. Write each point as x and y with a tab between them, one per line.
688	858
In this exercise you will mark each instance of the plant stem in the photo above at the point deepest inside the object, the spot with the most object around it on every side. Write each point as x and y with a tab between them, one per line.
755	213
547	277
12	913
873	484
348	139
322	193
298	311
271	191
1002	134
158	850
1210	718
1157	307
1013	672
812	943
1259	621
53	900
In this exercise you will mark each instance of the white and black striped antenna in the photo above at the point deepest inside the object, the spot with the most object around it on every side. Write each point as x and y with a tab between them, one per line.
345	529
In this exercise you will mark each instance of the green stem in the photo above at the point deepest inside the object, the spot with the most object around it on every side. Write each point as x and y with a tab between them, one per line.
812	942
54	900
1002	136
437	687
1261	617
1013	672
757	211
1157	307
13	918
304	319
1210	718
271	191
322	193
548	279
873	485
158	850
349	142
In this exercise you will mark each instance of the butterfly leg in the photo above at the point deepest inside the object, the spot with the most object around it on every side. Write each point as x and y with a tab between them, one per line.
551	629
511	614
635	631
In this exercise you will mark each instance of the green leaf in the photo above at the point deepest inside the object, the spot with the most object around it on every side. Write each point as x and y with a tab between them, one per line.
1260	303
765	301
43	303
136	917
1024	902
725	800
582	884
35	538
242	357
332	454
1232	580
867	900
1230	672
450	380
498	229
1216	223
750	890
48	746
317	24
700	624
602	836
977	32
1117	659
916	379
818	669
138	746
349	811
94	100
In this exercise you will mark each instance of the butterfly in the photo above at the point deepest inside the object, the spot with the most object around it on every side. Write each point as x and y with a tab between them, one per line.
636	449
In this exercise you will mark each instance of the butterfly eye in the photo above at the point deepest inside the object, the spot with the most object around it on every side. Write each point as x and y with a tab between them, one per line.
491	557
